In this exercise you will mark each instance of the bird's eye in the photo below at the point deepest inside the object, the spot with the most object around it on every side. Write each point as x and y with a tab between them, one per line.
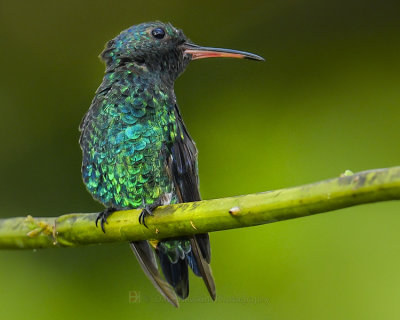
158	33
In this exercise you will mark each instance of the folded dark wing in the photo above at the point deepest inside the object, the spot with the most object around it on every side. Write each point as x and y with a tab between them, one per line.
182	165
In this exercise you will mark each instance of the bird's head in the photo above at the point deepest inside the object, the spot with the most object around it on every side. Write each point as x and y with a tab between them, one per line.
158	47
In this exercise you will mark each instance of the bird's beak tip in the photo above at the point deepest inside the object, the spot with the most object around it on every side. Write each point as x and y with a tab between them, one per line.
256	57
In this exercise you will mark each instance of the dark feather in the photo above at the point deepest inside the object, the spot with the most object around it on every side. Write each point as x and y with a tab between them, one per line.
182	166
204	243
193	264
204	268
147	260
176	274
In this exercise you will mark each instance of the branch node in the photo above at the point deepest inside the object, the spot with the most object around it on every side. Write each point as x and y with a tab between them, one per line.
234	211
346	173
41	227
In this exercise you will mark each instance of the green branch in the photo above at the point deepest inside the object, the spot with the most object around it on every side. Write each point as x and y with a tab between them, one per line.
204	216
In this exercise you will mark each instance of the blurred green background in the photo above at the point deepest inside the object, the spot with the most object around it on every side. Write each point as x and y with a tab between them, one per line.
326	100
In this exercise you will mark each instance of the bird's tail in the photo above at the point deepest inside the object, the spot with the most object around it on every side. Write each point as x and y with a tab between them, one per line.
172	255
175	256
147	260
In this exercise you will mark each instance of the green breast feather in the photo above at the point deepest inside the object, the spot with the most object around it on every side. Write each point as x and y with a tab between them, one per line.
125	138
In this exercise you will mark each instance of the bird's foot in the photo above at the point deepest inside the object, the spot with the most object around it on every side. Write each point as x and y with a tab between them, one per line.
148	211
102	216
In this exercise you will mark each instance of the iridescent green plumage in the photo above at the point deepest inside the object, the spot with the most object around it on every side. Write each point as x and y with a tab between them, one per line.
126	137
137	152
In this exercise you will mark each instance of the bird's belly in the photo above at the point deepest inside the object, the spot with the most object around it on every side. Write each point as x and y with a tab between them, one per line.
122	180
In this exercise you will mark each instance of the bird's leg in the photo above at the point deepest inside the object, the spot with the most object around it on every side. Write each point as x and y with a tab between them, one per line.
148	211
102	216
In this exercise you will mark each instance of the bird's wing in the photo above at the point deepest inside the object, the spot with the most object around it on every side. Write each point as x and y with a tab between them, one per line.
183	163
147	260
182	166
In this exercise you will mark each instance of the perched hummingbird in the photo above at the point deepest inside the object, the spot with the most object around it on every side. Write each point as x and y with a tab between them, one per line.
137	152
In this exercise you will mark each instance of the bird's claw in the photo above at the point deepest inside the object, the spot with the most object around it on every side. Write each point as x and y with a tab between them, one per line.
102	216
147	211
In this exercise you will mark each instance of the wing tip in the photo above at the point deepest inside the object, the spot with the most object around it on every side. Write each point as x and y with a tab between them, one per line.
205	269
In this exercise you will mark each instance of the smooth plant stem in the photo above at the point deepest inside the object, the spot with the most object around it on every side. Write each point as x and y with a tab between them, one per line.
204	216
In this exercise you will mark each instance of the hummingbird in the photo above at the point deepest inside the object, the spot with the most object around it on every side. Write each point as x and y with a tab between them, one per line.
137	152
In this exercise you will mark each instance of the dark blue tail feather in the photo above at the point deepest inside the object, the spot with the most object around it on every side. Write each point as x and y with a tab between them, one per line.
176	274
193	264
